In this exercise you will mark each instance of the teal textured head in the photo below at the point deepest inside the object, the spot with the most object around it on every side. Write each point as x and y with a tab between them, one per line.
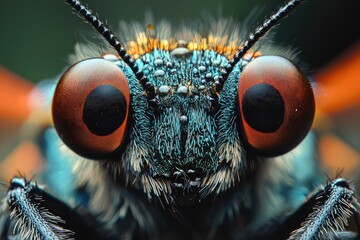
186	114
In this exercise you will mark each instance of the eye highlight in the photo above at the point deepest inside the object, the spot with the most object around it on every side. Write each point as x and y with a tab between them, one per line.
276	105
91	107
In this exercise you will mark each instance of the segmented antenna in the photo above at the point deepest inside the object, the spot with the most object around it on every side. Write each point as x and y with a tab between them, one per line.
253	38
114	42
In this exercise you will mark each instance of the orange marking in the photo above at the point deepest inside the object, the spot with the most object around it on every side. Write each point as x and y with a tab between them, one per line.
145	43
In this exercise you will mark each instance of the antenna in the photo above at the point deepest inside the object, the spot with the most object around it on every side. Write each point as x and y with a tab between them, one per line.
114	42
260	31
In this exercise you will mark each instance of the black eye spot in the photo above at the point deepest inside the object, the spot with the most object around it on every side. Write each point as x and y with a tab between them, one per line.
104	110
90	108
276	105
263	108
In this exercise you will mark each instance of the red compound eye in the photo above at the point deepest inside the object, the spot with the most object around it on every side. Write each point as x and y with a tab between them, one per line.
276	105
91	107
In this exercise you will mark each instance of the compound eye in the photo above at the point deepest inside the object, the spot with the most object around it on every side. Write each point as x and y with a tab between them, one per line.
90	108
276	105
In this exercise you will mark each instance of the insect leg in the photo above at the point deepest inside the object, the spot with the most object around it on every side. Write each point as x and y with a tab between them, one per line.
323	216
356	205
333	207
39	215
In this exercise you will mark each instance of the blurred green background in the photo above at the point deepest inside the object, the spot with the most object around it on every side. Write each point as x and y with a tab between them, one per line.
37	36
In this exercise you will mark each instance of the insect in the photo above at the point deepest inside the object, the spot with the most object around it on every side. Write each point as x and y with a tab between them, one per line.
185	137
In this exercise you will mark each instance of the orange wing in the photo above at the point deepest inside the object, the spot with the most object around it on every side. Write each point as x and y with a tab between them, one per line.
18	153
338	96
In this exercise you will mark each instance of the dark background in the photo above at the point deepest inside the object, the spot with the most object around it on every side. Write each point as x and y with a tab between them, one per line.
37	36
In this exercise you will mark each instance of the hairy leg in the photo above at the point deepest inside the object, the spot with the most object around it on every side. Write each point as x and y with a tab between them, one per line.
322	216
35	214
